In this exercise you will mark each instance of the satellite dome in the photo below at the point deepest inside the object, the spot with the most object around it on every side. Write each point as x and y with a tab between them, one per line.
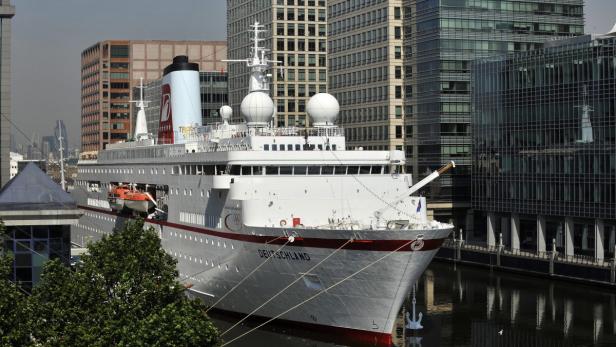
225	113
323	108
257	109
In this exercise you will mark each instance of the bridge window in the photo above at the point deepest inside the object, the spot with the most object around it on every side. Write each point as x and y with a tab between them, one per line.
266	147
352	170
327	170
314	170
209	170
286	170
300	170
271	170
235	170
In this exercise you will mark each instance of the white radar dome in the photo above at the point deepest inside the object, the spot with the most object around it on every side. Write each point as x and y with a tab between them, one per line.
257	109
225	113
323	108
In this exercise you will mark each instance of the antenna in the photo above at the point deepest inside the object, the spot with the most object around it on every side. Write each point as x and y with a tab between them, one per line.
141	125
141	103
258	62
60	139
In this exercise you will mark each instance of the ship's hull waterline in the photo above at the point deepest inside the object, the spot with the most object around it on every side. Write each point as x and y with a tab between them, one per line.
364	306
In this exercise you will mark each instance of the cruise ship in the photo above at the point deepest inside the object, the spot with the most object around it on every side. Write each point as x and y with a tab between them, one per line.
266	221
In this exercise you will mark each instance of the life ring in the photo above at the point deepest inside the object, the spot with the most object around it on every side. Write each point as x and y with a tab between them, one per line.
283	222
417	245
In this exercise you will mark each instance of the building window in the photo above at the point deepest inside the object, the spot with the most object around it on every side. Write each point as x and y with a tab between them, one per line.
119	51
398	112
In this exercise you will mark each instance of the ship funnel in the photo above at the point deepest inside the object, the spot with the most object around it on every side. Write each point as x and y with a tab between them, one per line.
180	105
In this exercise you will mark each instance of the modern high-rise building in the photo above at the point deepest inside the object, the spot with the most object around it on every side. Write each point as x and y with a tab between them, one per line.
441	38
214	94
544	148
295	33
110	70
7	11
366	71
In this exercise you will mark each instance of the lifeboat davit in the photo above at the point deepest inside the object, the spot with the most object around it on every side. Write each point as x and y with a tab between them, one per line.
123	196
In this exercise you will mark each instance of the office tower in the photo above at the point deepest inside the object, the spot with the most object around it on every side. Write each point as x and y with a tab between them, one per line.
544	144
296	35
49	145
214	94
111	69
365	71
7	11
441	38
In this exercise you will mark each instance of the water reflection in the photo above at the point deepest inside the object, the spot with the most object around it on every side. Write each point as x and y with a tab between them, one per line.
465	306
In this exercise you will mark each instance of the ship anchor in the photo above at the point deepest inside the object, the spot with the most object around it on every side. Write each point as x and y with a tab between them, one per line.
414	324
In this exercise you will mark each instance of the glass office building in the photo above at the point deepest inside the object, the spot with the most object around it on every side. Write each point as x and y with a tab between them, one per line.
544	145
441	38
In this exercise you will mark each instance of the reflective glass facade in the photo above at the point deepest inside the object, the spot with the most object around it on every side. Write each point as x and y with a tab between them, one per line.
32	246
544	131
442	38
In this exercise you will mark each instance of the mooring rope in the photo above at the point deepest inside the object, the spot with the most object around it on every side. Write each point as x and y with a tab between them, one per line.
315	295
289	240
287	287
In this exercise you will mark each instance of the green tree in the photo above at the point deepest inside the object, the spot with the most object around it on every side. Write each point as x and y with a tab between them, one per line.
123	293
13	309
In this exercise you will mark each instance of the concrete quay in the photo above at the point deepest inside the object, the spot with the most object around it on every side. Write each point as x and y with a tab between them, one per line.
552	264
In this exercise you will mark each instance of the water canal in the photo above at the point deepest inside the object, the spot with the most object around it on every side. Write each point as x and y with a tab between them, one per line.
469	306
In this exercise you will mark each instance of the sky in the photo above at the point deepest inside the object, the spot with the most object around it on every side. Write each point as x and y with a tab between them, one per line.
48	37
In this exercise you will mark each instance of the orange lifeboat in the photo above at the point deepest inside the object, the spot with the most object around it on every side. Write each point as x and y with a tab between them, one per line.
123	196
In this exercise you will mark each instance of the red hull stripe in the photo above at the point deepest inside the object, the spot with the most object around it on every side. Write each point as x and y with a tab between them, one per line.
358	245
313	331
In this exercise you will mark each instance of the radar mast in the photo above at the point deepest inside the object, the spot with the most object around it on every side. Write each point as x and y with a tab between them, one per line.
258	62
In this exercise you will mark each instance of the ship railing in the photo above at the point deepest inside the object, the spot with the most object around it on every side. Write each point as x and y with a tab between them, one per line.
206	133
297	131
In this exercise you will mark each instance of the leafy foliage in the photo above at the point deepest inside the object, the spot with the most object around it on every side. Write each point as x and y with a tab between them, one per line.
13	326
123	293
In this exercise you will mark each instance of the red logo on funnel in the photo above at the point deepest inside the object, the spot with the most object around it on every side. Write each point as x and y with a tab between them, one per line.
165	130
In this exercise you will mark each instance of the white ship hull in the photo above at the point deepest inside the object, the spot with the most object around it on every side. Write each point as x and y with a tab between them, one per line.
364	307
